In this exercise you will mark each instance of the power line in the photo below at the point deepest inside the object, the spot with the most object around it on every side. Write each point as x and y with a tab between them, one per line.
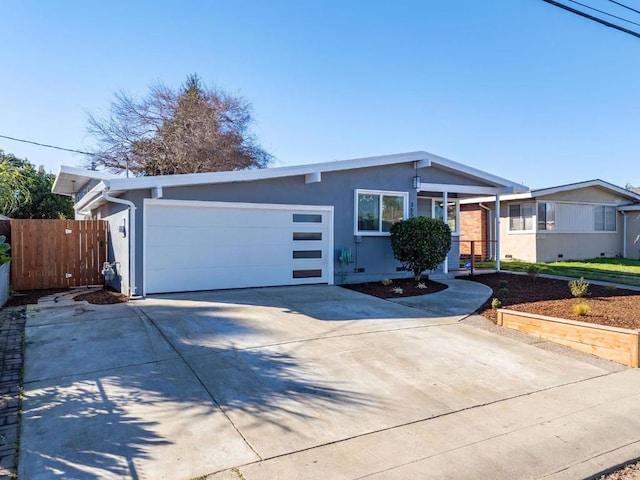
591	17
625	6
603	12
46	145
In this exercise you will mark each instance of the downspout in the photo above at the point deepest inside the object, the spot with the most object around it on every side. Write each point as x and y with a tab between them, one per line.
489	229
497	227
624	234
132	238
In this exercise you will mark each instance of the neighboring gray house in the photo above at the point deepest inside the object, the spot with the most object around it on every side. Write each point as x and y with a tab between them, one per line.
277	226
572	222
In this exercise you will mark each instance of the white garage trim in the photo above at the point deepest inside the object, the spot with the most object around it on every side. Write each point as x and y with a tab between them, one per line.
309	266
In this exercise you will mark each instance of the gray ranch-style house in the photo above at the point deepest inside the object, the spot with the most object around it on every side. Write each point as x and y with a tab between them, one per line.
576	221
316	223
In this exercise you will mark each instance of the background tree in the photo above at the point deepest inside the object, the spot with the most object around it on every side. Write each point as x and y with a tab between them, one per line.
42	202
25	191
420	243
195	129
13	184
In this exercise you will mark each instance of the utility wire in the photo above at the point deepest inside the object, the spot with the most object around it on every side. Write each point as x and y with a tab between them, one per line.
46	145
603	12
625	6
591	17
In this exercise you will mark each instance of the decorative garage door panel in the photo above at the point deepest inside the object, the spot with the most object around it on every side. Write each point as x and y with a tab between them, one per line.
192	246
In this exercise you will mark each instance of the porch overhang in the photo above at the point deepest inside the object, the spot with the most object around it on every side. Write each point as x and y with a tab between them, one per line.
465	189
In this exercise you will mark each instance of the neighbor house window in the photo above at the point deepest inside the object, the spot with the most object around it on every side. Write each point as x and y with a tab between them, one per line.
604	218
452	213
376	211
521	217
546	216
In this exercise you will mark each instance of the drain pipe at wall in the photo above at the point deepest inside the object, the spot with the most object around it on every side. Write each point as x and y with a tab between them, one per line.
624	234
132	238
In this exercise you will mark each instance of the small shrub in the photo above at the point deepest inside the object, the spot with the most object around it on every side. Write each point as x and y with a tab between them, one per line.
504	291
581	309
503	284
579	288
421	286
496	303
420	243
398	290
533	270
386	282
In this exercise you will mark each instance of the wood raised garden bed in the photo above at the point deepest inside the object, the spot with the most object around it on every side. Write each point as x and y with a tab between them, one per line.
617	344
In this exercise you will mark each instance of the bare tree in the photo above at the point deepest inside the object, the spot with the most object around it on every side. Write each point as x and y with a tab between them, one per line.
193	130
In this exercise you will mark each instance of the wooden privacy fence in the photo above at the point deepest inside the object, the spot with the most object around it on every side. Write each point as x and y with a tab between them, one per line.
57	253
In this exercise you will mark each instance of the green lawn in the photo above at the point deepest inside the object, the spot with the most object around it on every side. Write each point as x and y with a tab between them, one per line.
614	270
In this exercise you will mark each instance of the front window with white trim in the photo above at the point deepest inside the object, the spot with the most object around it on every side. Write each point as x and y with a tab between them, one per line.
604	218
377	210
521	216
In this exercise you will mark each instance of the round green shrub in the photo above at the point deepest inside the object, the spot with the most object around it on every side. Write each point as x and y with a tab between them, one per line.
420	243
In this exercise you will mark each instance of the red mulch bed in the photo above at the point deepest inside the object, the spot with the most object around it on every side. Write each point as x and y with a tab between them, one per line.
543	296
408	285
102	297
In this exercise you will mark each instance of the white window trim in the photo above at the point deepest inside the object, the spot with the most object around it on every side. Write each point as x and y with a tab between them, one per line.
449	200
616	213
534	218
369	233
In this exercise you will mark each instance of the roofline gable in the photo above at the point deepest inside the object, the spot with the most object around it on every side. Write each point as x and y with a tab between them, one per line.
542	192
425	159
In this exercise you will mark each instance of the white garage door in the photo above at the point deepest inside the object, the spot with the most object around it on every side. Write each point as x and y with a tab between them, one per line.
192	246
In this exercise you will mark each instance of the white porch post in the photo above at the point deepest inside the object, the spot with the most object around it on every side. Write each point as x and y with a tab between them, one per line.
445	199
497	234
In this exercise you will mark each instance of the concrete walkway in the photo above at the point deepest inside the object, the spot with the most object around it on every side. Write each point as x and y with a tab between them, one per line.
310	382
460	299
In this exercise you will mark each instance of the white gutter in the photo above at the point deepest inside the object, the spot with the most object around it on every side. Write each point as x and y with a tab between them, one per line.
132	237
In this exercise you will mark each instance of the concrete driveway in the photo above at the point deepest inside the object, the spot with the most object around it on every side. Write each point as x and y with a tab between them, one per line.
309	382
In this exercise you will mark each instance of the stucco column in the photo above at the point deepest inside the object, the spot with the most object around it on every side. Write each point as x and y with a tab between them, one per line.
445	199
497	234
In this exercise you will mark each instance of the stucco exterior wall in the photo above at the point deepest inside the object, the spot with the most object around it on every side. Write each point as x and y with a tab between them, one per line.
555	246
633	235
515	245
118	250
372	254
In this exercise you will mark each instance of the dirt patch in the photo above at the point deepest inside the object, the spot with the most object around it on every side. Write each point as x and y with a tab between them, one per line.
102	297
409	288
615	307
31	297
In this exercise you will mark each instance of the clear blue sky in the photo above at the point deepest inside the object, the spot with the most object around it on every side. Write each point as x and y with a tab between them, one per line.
518	88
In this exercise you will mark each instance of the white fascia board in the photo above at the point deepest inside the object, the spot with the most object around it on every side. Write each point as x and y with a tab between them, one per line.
91	196
476	173
503	198
63	184
191	179
311	170
471	189
629	208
